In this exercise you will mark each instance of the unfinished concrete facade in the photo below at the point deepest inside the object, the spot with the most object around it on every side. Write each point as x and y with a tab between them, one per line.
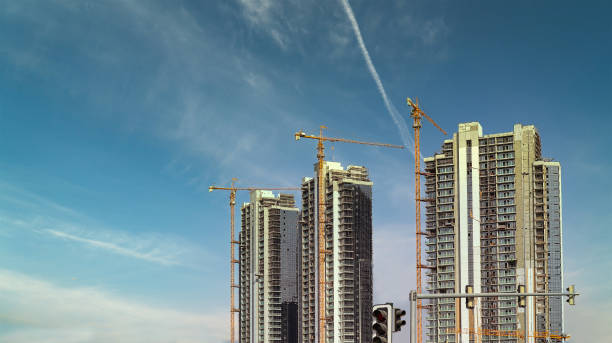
348	266
269	269
486	228
548	235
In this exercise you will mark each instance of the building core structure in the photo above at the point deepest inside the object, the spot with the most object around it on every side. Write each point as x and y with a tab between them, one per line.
493	222
348	263
269	240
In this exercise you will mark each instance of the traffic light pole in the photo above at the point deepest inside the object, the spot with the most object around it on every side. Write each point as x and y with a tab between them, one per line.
414	296
486	295
413	314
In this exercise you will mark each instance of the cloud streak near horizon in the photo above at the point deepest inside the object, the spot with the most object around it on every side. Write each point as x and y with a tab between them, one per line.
151	256
57	221
46	312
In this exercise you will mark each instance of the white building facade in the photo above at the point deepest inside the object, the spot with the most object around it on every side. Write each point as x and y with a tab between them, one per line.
487	227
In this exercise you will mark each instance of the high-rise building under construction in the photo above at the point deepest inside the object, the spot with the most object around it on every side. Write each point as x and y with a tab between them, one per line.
269	269
348	262
493	222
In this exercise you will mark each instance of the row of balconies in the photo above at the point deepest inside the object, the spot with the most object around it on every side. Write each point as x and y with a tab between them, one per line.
446	247
446	262
499	320
446	231
445	222
446	277
445	238
444	161
446	254
496	316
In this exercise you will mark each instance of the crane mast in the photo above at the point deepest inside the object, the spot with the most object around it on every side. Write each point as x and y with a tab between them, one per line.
416	115
321	212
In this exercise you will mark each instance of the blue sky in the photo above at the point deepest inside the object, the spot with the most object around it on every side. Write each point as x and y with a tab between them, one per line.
115	117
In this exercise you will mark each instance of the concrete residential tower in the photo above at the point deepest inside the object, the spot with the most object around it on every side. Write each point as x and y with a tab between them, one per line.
269	269
348	266
495	224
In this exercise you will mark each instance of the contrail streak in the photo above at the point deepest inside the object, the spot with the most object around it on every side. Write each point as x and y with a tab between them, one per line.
395	116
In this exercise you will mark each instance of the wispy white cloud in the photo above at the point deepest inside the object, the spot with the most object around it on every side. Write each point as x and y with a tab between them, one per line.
262	14
257	11
203	91
48	313
151	256
22	197
30	212
433	30
395	116
257	81
163	249
429	31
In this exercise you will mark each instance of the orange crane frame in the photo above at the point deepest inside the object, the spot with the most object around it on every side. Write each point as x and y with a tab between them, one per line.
233	240
417	114
321	212
509	333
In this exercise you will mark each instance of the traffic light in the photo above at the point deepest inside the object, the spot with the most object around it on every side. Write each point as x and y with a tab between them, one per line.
381	320
469	301
521	298
570	298
397	319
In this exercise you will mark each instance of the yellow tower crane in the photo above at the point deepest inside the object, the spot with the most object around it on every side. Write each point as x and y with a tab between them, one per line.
416	115
321	212
233	241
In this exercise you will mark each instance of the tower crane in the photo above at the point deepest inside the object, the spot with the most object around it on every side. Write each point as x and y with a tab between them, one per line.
416	115
321	212
233	240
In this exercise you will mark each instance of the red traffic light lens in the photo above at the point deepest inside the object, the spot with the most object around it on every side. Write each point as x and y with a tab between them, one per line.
380	315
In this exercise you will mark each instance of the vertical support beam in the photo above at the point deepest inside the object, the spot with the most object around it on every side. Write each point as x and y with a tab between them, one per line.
232	261
321	218
526	263
413	310
417	194
526	332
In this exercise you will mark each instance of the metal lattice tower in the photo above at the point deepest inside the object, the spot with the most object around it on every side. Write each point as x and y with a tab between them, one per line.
416	114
